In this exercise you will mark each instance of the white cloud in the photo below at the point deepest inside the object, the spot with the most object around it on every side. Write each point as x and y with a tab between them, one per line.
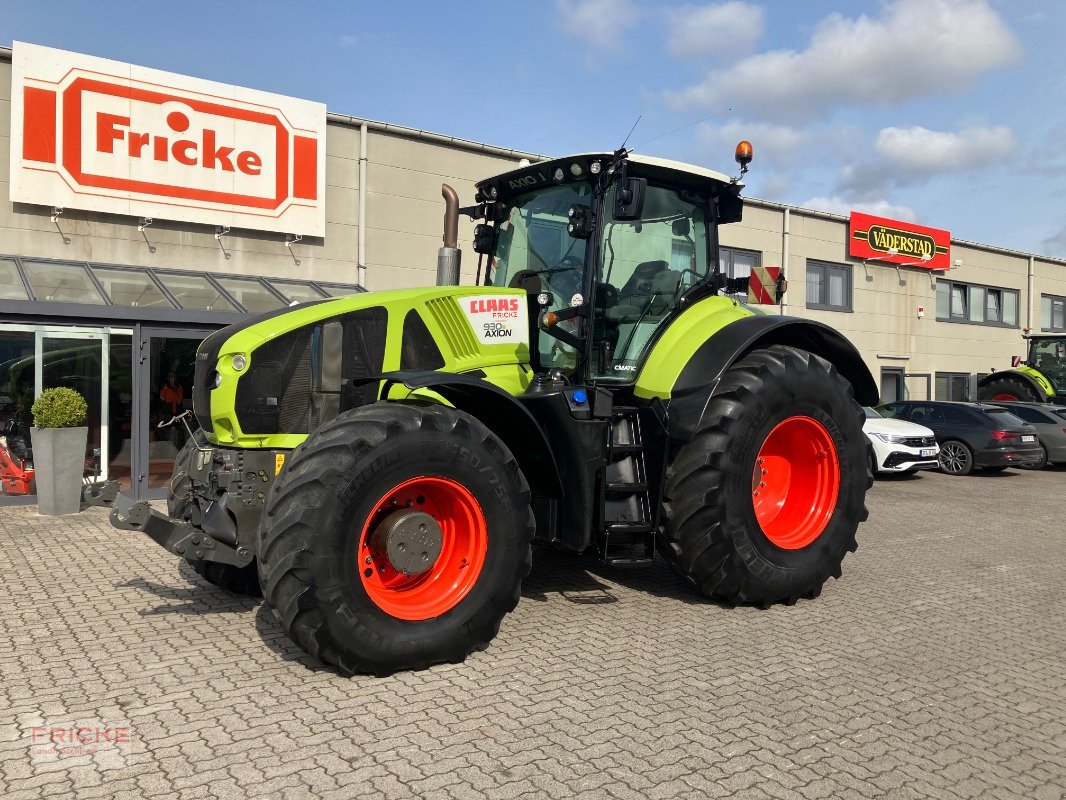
917	48
839	205
716	31
601	23
907	156
921	150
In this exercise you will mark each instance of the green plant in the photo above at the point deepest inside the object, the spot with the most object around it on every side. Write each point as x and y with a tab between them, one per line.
59	408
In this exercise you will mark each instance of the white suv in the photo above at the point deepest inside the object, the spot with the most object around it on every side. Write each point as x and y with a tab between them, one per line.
898	445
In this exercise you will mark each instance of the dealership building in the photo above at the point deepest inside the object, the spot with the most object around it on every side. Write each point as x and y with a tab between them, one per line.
140	210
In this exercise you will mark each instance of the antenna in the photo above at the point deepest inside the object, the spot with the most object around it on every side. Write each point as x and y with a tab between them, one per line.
680	128
623	147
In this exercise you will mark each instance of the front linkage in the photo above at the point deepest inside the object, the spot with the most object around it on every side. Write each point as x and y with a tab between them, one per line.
216	497
178	536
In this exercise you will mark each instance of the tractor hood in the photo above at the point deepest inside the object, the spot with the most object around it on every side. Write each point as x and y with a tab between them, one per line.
269	381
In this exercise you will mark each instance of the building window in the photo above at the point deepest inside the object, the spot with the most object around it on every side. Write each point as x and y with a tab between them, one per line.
828	286
1052	313
952	386
737	263
979	305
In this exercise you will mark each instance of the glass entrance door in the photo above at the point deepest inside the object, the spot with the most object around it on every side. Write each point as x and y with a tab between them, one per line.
164	390
79	361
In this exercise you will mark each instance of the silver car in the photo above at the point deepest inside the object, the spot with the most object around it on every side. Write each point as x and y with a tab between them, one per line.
1050	423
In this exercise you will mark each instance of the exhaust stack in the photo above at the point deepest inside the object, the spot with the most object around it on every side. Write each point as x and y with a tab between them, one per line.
449	256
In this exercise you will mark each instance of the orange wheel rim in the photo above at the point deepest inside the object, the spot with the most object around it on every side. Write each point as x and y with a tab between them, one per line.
796	482
463	541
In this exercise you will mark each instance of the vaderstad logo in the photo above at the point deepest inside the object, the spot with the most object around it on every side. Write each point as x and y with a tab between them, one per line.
94	134
898	242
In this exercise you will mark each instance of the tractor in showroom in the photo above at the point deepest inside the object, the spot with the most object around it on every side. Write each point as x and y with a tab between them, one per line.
1040	378
379	466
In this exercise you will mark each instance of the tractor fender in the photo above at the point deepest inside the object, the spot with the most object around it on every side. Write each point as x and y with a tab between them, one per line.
1027	375
500	412
699	377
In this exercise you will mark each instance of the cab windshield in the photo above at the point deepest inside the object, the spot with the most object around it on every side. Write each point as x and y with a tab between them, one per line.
1049	356
534	237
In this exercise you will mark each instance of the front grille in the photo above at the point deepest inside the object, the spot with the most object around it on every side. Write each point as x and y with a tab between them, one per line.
898	459
919	441
276	393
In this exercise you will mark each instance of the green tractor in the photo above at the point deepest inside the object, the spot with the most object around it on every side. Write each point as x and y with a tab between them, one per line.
379	466
1041	378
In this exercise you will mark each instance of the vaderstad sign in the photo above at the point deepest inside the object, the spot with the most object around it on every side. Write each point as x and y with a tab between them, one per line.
109	137
895	242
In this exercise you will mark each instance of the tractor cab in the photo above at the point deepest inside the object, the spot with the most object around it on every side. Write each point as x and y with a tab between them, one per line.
1047	354
609	248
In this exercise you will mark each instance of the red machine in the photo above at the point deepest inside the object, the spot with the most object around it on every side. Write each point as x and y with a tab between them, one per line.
15	476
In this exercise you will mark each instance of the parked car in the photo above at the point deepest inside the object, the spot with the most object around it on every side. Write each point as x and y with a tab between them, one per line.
899	446
972	435
1050	424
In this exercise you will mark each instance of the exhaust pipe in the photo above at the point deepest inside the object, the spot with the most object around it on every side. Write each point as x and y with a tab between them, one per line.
449	256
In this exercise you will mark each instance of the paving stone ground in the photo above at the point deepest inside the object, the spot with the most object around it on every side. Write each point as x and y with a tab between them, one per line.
935	668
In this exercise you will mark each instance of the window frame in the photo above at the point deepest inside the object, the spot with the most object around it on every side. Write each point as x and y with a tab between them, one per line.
969	292
1054	300
949	376
827	267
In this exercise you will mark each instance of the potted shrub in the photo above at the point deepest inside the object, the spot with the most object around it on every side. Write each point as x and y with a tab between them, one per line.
58	438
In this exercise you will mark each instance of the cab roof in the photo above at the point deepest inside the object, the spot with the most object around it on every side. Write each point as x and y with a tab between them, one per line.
531	176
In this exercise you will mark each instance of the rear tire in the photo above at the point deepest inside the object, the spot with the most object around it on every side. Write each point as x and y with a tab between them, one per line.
239	580
714	533
1008	388
956	458
318	570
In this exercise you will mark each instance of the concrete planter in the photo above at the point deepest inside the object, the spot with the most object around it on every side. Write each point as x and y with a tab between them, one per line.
59	464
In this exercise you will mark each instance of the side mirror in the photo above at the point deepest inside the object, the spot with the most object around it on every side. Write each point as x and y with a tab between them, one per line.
730	208
680	228
629	199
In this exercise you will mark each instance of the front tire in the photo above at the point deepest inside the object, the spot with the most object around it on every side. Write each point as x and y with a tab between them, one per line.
330	571
764	502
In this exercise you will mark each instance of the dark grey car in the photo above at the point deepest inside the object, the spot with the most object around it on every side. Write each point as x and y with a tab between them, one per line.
1050	424
988	437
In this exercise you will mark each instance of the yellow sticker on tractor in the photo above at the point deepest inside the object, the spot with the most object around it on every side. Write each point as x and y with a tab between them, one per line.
279	462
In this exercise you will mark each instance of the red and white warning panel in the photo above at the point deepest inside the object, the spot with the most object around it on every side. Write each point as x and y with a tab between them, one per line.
764	286
116	138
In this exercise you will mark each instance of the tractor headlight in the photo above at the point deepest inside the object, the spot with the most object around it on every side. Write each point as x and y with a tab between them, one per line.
239	362
595	167
559	174
891	438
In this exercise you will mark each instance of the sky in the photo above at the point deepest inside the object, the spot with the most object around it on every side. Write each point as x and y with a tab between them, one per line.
949	113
